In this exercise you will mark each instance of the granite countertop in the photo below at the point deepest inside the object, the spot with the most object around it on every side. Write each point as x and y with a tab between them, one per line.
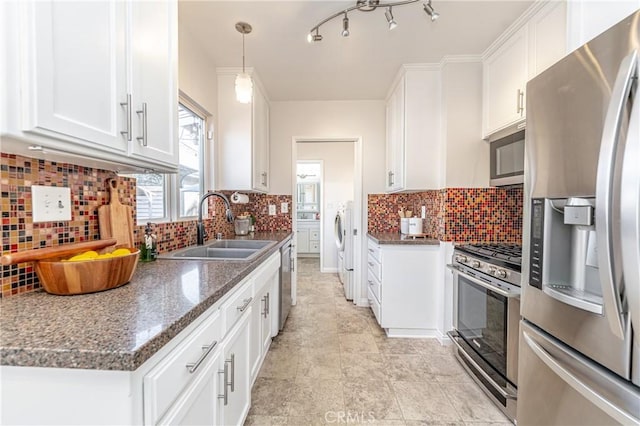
397	238
118	329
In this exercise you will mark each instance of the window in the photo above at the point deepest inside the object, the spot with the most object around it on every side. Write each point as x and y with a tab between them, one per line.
191	136
154	199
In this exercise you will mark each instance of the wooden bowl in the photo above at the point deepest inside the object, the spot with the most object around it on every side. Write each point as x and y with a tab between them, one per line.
87	276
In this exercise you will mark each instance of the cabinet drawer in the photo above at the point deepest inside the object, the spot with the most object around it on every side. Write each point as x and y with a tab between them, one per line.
237	305
164	383
373	249
375	306
374	285
374	267
314	246
314	235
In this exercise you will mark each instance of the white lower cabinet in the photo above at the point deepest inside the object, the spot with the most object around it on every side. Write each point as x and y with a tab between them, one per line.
235	389
403	287
202	376
198	405
262	316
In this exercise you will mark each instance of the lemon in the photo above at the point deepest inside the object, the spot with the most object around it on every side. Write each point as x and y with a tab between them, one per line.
104	256
120	252
80	257
87	255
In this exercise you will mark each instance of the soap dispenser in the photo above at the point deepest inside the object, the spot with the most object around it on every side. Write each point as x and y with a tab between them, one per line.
149	247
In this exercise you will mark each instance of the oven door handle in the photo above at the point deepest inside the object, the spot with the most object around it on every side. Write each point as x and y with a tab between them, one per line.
507	294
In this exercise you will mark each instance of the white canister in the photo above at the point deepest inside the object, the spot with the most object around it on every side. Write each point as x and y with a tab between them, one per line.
404	225
415	226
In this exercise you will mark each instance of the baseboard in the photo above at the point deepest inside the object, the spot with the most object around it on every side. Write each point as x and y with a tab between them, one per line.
329	270
443	339
412	333
362	303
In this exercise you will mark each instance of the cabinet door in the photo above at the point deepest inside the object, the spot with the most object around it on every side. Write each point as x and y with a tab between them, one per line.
302	240
258	311
260	141
270	312
154	56
395	138
236	363
75	74
547	37
198	403
505	76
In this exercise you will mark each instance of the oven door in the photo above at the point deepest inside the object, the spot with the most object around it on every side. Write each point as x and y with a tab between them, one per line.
486	315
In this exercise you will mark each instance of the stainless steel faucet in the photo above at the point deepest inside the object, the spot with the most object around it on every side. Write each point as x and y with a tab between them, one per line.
201	234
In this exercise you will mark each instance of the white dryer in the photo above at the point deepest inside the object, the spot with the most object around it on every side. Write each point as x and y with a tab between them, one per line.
343	231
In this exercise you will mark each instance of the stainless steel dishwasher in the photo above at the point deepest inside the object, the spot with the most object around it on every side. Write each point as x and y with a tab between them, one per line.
286	268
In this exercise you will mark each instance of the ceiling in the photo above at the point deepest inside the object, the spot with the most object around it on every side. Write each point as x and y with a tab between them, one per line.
359	67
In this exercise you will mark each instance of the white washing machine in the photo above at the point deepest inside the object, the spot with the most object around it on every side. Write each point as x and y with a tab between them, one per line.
343	231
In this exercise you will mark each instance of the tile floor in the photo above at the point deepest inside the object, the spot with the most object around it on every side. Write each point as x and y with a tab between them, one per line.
333	364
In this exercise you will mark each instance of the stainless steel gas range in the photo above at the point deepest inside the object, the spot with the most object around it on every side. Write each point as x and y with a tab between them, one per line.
486	315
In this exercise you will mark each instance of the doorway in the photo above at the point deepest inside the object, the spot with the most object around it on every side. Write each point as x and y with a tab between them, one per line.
341	182
309	207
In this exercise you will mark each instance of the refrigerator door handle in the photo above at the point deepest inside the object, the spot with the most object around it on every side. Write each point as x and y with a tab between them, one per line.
609	276
630	217
562	366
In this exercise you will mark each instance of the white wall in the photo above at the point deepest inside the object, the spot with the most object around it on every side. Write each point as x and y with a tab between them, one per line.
337	187
329	120
467	155
197	80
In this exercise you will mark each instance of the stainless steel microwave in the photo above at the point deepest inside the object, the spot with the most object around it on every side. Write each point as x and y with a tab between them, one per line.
507	160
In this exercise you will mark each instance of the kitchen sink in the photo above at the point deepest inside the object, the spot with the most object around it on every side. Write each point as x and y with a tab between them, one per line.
241	250
239	244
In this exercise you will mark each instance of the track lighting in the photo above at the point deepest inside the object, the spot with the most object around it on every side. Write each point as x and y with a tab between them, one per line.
369	6
389	15
431	11
345	26
314	37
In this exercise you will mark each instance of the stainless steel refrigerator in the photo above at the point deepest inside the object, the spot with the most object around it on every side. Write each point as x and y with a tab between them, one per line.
580	330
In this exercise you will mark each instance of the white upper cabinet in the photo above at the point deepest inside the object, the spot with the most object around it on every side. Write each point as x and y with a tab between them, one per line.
243	136
413	145
504	81
395	138
528	47
588	19
154	86
77	71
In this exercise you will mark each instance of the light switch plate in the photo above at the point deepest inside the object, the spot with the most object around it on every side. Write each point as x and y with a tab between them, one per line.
50	203
423	212
272	209
284	207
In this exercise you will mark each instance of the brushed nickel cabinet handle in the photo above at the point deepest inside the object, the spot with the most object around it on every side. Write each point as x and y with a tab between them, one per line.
232	384
193	366
245	304
143	111
225	394
127	106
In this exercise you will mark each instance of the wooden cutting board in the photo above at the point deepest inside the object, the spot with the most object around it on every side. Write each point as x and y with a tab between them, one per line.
116	219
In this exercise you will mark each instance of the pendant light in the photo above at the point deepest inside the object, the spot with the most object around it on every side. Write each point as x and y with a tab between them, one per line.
244	84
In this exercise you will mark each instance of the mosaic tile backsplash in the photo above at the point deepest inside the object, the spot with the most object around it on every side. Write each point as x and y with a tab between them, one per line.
88	191
461	215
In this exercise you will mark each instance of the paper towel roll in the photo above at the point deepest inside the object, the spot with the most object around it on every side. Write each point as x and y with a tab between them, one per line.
239	198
